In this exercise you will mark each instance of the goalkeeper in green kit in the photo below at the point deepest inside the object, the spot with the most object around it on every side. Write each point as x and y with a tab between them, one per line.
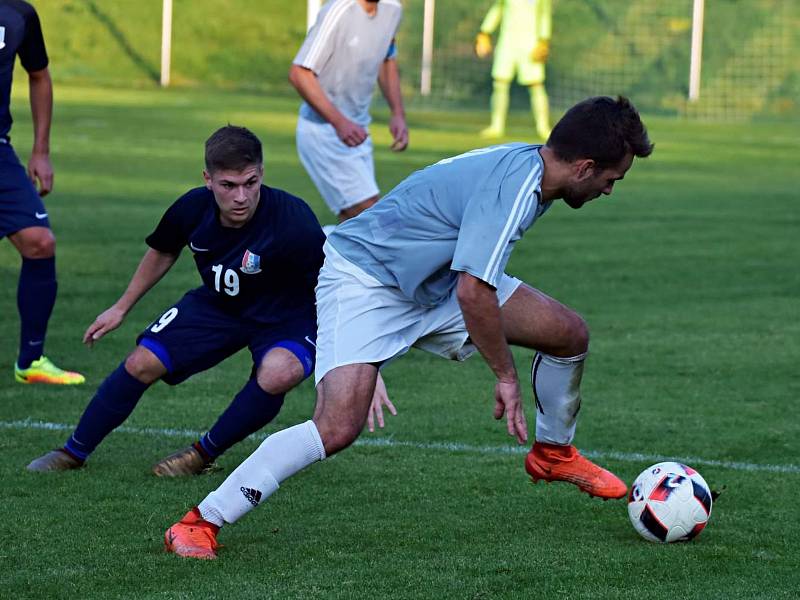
523	45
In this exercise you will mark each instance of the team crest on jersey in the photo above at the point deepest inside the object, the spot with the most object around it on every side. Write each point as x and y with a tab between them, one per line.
251	263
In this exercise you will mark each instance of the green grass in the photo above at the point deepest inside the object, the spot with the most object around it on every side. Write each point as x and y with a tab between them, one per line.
242	43
687	277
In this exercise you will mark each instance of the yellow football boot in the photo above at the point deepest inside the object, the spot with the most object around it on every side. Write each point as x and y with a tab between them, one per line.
44	371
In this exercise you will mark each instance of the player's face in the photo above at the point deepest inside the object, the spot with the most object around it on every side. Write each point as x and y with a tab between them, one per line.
237	193
589	181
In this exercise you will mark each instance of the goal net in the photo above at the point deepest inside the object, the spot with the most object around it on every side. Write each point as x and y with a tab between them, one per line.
639	48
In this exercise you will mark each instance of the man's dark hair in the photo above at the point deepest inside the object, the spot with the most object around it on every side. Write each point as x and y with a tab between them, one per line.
232	148
602	129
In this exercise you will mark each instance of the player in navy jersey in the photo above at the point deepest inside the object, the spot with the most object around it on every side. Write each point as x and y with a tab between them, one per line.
258	251
23	217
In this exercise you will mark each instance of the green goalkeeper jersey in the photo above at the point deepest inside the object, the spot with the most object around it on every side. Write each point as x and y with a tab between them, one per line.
522	23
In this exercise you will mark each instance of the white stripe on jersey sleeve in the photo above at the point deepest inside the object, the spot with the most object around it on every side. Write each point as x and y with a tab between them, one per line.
522	205
326	30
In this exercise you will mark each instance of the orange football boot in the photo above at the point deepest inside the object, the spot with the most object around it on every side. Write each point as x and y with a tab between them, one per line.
551	462
192	537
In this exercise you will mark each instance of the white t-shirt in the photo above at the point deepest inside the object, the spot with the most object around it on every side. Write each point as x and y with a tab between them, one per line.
345	49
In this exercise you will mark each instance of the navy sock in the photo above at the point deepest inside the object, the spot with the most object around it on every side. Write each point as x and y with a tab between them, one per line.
251	409
36	295
114	400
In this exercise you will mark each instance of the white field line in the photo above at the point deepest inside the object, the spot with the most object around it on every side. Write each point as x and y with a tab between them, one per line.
390	442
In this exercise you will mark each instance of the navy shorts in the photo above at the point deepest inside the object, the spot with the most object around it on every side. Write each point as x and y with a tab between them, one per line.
20	204
195	334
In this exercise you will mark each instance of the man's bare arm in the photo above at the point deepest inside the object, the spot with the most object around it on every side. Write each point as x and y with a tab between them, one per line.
153	266
482	317
389	82
305	82
41	100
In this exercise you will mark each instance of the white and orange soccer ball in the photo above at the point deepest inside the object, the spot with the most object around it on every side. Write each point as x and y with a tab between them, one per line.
669	502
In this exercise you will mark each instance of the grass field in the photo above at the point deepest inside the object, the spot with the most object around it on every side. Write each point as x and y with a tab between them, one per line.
688	277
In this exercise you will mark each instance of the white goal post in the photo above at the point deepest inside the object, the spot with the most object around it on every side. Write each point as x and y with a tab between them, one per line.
166	41
427	47
696	60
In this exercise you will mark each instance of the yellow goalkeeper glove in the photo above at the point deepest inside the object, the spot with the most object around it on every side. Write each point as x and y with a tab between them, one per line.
483	45
540	51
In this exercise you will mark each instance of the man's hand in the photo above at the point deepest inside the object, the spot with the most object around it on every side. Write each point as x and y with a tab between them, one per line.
106	321
350	133
508	400
483	45
399	131
380	398
540	51
39	168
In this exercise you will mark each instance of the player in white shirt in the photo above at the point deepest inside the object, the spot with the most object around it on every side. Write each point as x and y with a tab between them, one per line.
425	267
350	46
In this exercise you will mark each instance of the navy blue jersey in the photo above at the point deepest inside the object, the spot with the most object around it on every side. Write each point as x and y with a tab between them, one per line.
266	270
20	33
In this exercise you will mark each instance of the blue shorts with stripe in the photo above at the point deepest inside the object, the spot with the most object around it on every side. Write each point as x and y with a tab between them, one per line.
20	204
195	334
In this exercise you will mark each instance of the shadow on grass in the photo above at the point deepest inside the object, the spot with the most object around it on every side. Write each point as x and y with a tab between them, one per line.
123	42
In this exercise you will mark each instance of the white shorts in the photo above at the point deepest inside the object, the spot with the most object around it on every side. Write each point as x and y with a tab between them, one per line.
360	320
343	175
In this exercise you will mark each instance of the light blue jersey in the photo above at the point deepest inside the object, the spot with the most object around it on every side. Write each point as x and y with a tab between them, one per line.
464	213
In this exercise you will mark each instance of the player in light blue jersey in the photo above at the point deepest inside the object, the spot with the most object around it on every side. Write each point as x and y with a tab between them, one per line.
425	268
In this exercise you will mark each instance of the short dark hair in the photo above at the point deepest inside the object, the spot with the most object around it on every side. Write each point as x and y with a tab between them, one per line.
601	128
232	148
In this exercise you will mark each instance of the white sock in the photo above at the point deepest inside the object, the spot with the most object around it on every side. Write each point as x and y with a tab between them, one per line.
556	388
280	456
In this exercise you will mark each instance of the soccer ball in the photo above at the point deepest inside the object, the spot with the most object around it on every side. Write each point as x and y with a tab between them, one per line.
669	502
